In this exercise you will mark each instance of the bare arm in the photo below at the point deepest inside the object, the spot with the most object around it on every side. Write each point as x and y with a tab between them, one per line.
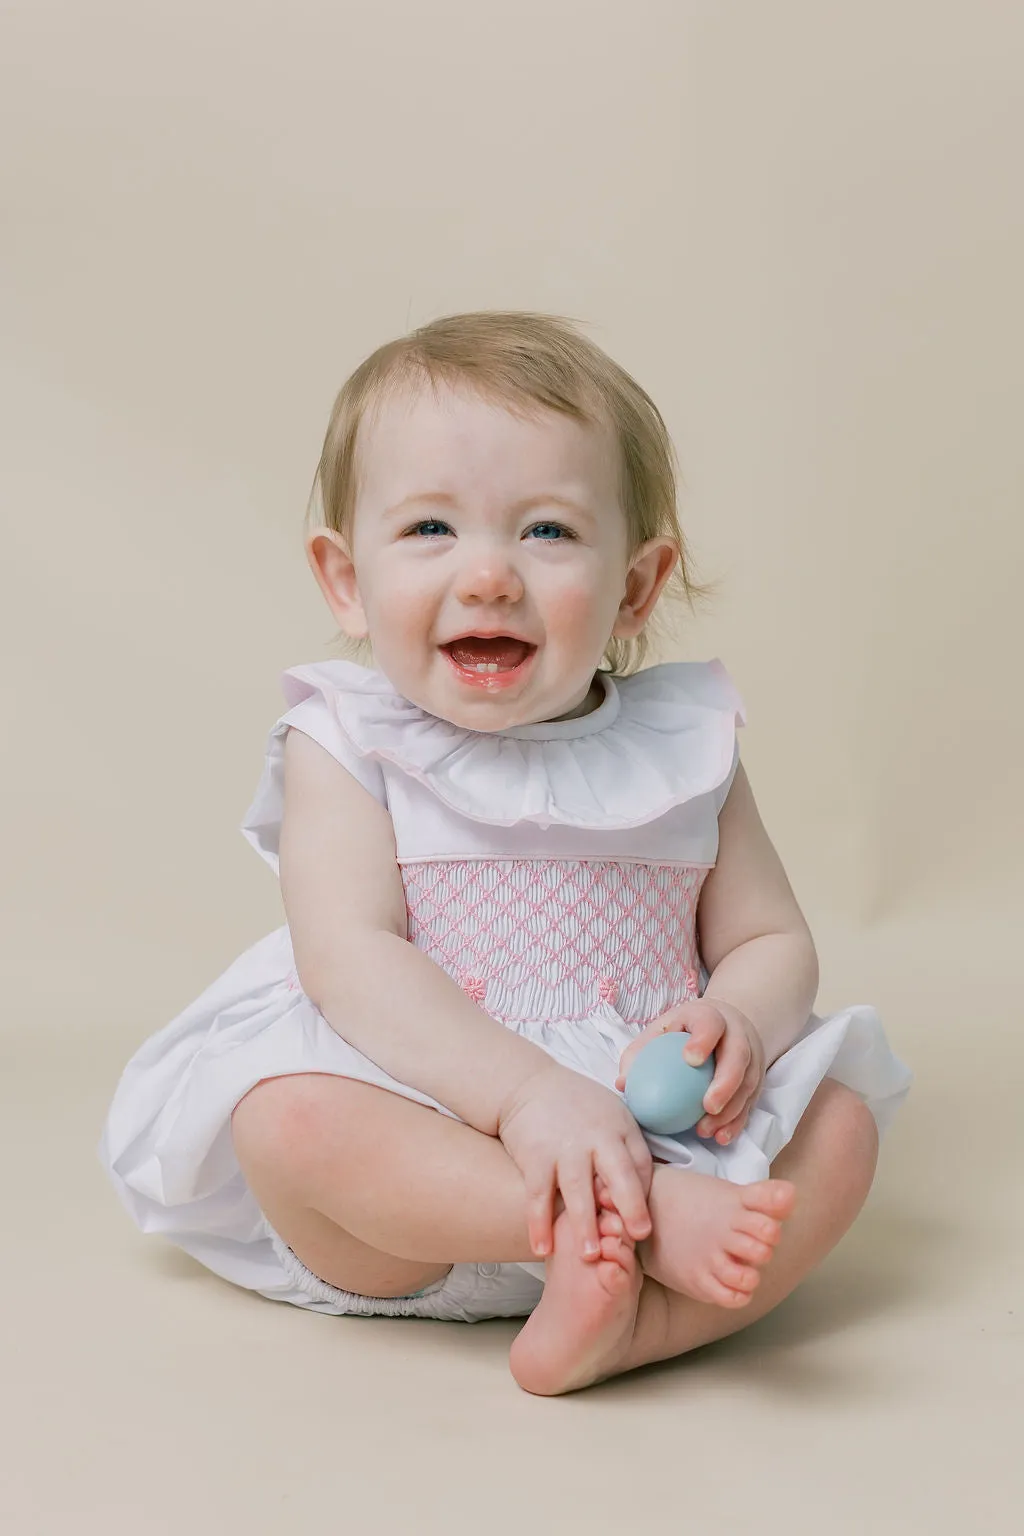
345	906
753	936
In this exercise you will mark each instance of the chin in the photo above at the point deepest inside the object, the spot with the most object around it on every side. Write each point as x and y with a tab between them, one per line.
482	715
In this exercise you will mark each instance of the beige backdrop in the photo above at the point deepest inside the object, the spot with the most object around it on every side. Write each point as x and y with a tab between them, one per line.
800	225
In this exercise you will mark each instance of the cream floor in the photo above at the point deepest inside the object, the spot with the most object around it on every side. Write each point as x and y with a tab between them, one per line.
144	1396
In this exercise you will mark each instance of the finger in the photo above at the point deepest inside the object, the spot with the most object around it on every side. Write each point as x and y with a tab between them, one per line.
604	1200
576	1181
629	1055
726	1134
728	1126
713	1123
640	1156
674	1021
738	1106
731	1066
619	1173
540	1192
706	1027
679	1016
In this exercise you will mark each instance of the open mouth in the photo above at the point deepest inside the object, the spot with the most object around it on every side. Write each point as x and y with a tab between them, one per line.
491	659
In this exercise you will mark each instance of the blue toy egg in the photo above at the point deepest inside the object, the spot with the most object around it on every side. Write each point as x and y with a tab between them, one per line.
664	1093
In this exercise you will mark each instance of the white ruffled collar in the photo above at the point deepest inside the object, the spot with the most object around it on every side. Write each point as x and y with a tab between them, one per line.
659	738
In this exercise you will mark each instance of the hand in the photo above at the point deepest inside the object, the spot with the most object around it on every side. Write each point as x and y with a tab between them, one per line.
565	1132
739	1064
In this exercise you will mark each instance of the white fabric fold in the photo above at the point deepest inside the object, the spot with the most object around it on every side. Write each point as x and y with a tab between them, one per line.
167	1142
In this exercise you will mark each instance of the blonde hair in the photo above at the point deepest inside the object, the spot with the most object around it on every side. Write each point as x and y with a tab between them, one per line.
519	359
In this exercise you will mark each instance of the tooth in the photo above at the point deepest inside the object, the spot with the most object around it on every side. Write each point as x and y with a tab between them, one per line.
492	666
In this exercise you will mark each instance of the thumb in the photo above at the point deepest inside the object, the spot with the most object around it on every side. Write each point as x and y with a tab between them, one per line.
706	1028
626	1060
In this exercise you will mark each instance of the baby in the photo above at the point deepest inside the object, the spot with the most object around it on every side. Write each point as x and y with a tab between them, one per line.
508	858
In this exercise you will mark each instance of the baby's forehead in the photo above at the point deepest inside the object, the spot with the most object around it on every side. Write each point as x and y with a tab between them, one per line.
414	423
403	400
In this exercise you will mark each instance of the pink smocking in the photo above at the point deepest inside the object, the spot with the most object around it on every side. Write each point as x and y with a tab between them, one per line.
552	935
608	989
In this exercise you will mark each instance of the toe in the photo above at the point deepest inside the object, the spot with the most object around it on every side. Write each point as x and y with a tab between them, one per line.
614	1277
609	1224
755	1224
615	1252
738	1277
750	1249
723	1295
773	1197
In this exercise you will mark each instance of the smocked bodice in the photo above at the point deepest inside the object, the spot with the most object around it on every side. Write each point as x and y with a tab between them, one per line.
553	870
557	938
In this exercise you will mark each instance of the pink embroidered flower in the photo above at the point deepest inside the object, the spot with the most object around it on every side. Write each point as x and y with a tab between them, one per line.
474	987
692	980
607	989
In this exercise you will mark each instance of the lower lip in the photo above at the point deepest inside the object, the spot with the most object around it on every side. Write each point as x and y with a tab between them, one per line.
491	682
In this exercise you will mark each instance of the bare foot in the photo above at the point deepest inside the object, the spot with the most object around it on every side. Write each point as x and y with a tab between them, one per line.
710	1238
582	1326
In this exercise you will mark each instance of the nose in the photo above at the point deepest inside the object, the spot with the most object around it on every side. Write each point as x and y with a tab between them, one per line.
487	574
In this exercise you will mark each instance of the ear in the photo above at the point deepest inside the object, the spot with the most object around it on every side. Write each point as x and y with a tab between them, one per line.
332	566
649	569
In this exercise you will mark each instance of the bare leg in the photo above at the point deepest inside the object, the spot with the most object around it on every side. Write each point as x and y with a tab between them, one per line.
374	1193
830	1162
709	1242
380	1196
583	1327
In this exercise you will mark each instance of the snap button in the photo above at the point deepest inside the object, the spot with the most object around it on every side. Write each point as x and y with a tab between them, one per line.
488	1269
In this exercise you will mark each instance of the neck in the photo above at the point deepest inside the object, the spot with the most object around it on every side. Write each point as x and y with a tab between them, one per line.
593	700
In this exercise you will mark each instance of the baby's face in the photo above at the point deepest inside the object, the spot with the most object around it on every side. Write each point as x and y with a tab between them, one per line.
490	557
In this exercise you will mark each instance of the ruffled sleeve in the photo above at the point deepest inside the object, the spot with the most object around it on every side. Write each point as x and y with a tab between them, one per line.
315	694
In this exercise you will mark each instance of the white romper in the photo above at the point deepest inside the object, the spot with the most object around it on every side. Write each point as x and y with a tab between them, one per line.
553	870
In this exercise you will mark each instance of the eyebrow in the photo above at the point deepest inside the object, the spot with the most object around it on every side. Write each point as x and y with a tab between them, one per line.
444	498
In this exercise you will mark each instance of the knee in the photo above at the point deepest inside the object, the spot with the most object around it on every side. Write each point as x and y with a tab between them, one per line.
847	1129
277	1122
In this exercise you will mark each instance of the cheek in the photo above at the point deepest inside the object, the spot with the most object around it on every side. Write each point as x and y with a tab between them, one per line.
581	608
400	606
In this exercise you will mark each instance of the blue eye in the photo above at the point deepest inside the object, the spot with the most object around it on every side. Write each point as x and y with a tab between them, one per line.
556	528
434	528
433	524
